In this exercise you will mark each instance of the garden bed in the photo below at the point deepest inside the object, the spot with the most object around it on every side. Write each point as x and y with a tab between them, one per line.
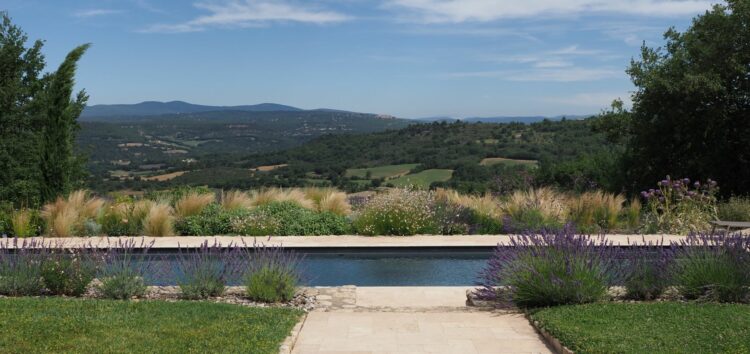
663	327
106	326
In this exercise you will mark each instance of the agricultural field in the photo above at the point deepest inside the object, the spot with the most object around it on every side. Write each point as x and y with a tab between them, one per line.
385	172
490	161
423	179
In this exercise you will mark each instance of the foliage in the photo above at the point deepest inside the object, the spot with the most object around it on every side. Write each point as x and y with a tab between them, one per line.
21	268
272	274
675	207
26	222
690	104
647	271
714	267
76	215
122	275
69	271
550	269
258	223
655	327
58	325
735	209
204	272
398	212
293	219
212	220
159	220
125	218
534	209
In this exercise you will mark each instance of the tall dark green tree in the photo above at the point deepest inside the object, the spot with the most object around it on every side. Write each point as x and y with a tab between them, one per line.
58	163
691	109
37	120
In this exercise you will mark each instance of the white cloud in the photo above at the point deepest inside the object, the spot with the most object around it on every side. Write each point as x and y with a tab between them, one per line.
95	13
250	13
558	74
456	11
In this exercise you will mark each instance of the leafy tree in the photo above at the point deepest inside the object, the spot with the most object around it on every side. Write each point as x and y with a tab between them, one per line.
691	109
37	120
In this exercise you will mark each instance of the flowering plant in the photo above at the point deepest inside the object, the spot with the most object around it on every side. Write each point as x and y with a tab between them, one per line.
677	206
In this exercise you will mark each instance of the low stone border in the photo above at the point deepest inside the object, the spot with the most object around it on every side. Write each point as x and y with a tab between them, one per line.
553	342
288	344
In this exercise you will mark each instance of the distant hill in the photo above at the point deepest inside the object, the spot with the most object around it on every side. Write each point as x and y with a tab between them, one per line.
152	108
501	119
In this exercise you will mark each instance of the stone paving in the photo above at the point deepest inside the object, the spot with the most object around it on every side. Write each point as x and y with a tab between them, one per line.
410	320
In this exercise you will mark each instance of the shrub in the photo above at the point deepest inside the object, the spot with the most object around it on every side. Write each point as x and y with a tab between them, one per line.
125	218
76	215
257	223
204	272
484	213
735	209
212	220
192	203
272	274
398	212
675	207
647	272
21	268
295	220
69	271
550	269
25	222
714	267
159	220
123	274
276	195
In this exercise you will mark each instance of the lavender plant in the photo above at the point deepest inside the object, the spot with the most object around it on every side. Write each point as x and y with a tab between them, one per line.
21	267
647	270
714	267
677	207
124	271
550	269
204	272
272	273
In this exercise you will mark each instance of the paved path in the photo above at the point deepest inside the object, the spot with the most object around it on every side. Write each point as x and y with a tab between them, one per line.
393	320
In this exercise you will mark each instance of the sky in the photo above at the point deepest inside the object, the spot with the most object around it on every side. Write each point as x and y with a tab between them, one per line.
408	58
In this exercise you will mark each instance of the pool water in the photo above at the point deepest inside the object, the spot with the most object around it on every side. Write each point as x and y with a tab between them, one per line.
390	267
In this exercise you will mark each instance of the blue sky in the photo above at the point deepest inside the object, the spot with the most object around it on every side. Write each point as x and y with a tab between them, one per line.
409	58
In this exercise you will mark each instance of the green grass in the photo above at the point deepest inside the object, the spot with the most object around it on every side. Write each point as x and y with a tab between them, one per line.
422	179
56	325
510	162
664	327
386	171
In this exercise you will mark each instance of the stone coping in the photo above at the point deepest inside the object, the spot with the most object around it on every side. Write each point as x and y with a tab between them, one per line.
312	242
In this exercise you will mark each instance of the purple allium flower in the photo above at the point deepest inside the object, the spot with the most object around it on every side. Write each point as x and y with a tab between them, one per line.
697	184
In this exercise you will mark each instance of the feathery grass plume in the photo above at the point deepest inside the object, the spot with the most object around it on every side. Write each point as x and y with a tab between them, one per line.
125	218
271	195
192	204
21	222
77	214
485	212
159	220
534	209
633	214
335	202
595	209
235	199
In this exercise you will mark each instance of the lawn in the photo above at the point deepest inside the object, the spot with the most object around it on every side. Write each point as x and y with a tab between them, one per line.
422	179
386	171
44	325
511	162
664	327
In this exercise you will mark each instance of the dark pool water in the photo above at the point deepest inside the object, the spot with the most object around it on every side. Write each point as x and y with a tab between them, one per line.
444	267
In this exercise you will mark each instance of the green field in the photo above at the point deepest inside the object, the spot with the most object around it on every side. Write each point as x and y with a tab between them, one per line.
57	325
663	327
387	171
511	162
422	179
